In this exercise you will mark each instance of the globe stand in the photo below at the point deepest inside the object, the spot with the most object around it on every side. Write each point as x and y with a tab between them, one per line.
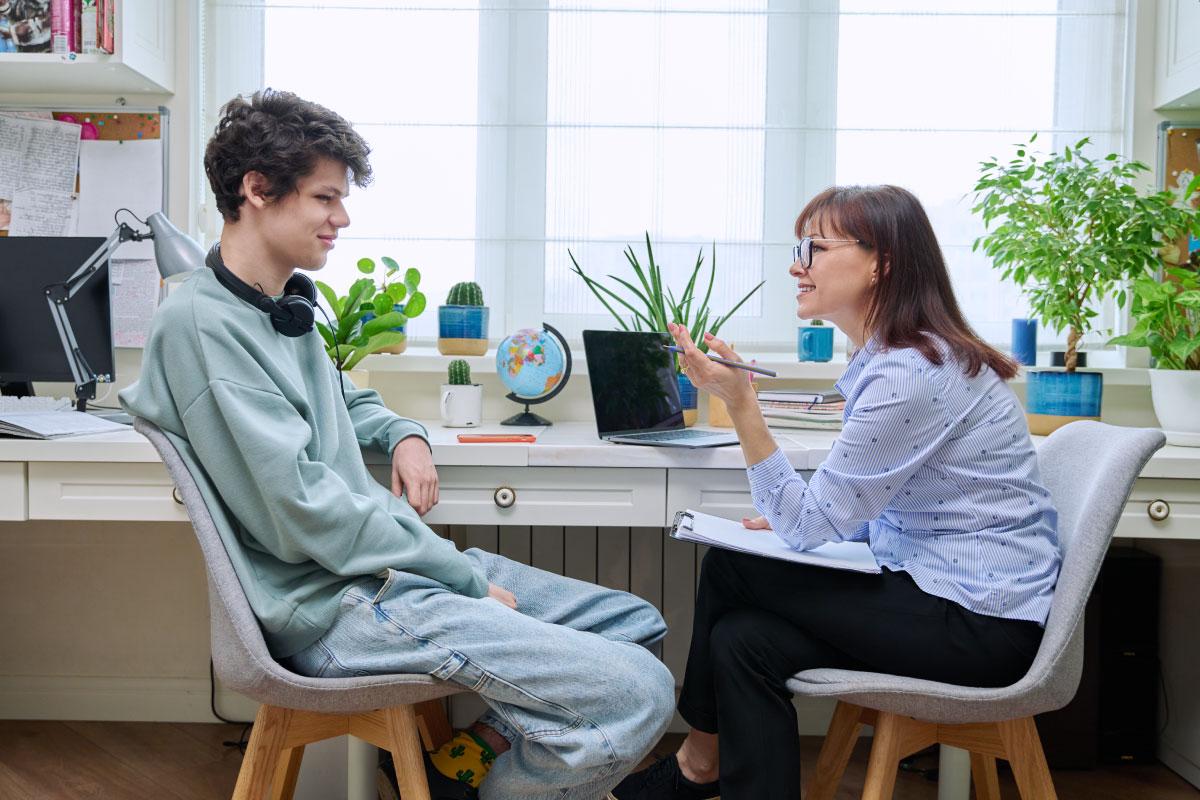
527	417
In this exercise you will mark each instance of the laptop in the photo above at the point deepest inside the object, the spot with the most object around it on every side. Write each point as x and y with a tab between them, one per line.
635	393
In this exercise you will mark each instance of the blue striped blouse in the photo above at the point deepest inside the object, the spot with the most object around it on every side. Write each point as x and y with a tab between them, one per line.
937	472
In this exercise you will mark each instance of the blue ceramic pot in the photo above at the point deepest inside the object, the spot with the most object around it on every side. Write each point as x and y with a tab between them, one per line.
1062	395
462	322
370	315
814	343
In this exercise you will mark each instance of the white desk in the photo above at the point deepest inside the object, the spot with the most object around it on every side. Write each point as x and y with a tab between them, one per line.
568	478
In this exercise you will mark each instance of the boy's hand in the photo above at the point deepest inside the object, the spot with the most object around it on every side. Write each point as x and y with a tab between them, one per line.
413	474
503	595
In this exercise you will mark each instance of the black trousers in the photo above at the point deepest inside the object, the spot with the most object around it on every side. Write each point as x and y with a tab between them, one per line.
759	621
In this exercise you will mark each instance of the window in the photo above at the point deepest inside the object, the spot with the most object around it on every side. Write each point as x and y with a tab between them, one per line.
507	132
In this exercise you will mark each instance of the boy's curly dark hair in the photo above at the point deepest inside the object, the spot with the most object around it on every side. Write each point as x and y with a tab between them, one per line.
281	136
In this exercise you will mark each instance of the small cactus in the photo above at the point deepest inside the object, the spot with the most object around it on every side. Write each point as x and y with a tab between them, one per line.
466	293
459	373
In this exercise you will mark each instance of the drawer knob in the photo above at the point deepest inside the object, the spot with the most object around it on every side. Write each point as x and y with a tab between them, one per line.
176	496
1158	510
505	496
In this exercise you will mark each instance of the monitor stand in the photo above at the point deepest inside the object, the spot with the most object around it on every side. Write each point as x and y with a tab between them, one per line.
16	388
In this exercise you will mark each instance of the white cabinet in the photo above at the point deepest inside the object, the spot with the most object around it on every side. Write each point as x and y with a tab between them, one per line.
144	61
1161	508
116	491
1177	55
12	491
720	492
588	496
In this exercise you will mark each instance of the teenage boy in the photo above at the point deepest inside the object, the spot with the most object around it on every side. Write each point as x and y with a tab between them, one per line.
343	575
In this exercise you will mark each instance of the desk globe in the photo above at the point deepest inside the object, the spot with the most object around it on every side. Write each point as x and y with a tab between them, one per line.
534	365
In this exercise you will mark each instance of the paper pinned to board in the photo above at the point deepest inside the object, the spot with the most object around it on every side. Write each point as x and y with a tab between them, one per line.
37	154
115	175
42	212
135	289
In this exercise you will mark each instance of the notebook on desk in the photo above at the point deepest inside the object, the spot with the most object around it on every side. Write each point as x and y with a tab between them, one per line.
635	393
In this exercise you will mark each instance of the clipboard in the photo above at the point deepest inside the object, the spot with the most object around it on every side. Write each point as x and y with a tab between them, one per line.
701	528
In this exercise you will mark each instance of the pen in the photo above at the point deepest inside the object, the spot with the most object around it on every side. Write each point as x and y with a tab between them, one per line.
770	373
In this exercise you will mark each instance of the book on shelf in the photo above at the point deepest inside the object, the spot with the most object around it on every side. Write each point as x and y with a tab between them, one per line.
817	408
802	423
801	396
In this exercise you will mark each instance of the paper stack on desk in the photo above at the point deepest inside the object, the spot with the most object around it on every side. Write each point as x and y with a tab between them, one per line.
54	424
696	526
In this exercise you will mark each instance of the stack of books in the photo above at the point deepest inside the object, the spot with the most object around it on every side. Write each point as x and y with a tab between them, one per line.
803	409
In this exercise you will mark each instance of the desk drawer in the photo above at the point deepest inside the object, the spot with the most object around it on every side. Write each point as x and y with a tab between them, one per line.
545	496
12	490
109	491
1178	500
720	492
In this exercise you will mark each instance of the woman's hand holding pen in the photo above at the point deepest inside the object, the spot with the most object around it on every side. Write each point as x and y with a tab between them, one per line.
731	385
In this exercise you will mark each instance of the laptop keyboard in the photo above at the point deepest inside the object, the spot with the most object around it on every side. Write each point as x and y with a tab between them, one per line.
670	436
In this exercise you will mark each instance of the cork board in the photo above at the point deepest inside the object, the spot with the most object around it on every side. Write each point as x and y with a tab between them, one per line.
1180	161
117	126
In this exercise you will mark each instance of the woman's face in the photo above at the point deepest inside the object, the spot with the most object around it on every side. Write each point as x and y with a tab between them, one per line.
838	283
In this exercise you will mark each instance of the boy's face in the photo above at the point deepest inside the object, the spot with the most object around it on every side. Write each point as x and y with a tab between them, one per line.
299	228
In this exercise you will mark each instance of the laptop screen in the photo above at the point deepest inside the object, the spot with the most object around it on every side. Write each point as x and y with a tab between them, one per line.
633	382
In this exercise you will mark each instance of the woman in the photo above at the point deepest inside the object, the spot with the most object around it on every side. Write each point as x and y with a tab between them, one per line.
934	468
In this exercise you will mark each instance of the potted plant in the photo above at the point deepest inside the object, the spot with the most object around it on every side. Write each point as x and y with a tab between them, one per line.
462	401
396	292
814	342
1070	230
653	305
368	320
1167	321
463	321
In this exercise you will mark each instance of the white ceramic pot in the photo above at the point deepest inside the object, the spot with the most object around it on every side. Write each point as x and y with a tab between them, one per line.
462	405
1176	397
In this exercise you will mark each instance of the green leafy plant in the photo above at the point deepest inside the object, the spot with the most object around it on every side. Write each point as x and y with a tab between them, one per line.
1167	317
466	293
1071	230
459	373
364	317
653	305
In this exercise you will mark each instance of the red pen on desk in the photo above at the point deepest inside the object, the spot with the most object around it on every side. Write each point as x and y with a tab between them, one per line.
480	438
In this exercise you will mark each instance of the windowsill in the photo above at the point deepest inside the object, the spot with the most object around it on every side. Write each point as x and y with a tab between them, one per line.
426	358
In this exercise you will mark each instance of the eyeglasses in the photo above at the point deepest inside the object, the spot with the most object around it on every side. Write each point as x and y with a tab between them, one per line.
802	252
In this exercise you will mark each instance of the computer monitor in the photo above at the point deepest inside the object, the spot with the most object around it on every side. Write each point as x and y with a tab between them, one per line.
30	348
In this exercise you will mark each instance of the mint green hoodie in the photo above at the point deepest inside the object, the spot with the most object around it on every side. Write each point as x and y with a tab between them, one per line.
260	421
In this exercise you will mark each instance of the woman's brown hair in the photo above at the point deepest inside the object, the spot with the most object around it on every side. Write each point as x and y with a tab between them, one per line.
913	297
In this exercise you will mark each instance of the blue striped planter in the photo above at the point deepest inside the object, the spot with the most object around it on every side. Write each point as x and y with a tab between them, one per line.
688	398
1053	398
814	343
462	330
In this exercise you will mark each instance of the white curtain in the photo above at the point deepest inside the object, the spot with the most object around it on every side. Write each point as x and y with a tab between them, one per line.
506	132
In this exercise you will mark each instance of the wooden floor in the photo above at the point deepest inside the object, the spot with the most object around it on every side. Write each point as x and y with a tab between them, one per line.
135	761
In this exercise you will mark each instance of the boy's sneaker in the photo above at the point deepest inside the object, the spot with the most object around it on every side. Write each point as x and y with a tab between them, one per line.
440	787
663	780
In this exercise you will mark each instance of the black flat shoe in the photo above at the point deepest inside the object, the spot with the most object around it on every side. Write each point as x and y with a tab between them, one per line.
440	787
663	780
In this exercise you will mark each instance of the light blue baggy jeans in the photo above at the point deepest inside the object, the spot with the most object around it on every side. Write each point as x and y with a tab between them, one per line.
567	677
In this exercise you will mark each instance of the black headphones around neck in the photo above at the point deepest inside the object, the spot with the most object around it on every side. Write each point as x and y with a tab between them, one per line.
292	314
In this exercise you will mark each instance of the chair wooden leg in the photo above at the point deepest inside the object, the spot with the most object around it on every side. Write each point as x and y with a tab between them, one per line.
983	775
284	784
1024	750
405	744
835	751
895	738
262	753
433	724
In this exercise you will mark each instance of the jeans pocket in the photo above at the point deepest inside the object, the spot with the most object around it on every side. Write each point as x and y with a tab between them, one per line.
383	590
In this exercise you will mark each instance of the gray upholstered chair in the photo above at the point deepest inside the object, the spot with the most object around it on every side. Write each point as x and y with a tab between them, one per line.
1089	468
395	712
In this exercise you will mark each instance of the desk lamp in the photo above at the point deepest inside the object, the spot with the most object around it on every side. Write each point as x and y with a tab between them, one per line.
175	252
